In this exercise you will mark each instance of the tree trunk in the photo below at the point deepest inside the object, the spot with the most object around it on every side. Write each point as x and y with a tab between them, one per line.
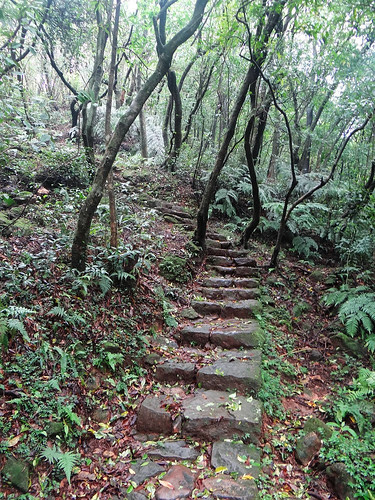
89	112
271	174
252	156
142	121
81	236
202	216
108	128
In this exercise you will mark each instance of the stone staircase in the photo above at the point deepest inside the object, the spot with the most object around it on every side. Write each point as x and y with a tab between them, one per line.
220	406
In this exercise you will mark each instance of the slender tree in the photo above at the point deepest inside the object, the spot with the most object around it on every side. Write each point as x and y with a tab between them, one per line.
165	55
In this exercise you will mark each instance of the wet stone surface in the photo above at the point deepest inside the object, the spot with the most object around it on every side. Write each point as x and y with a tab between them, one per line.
240	458
225	488
241	376
214	415
180	480
173	450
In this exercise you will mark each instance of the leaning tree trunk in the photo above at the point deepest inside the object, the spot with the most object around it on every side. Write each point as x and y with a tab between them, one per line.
263	33
89	112
166	52
108	128
252	158
202	216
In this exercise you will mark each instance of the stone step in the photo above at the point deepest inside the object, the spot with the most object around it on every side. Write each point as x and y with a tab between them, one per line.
242	376
227	309
230	293
229	334
215	415
230	282
153	416
226	488
176	371
238	458
174	450
173	212
216	236
243	272
217	260
218	243
226	252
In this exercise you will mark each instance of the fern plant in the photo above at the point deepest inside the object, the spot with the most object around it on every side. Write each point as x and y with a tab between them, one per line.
305	246
356	311
12	322
66	461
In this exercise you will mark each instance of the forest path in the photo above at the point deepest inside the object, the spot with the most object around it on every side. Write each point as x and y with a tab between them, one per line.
219	408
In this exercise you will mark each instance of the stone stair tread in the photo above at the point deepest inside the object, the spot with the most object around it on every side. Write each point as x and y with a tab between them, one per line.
153	416
226	261
230	293
216	415
227	309
226	252
226	488
173	450
218	244
229	334
180	480
239	271
227	454
175	371
216	236
230	282
243	376
174	213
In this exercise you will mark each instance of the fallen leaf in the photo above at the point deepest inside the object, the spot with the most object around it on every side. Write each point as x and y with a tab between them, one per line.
12	442
247	476
220	469
108	454
167	484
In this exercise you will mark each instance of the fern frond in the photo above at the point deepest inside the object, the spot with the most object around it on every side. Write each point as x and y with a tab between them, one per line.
58	311
18	312
370	343
66	461
17	325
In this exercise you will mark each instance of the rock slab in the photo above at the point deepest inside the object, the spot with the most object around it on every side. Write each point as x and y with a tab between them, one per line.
180	481
214	415
173	450
243	459
241	376
229	489
18	473
144	469
153	417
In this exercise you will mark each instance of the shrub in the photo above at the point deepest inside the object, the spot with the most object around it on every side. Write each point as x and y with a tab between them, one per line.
174	268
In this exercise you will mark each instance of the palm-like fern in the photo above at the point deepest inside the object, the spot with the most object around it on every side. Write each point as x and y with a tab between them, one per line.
358	314
65	461
356	311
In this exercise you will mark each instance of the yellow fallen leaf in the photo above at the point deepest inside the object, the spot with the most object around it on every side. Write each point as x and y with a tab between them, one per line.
131	471
247	476
12	442
167	484
220	469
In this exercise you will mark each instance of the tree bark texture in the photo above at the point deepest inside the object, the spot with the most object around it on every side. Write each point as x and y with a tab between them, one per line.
81	236
202	216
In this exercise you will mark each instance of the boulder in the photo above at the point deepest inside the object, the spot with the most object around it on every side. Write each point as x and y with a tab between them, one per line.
153	417
307	447
340	479
17	472
240	458
225	488
180	481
